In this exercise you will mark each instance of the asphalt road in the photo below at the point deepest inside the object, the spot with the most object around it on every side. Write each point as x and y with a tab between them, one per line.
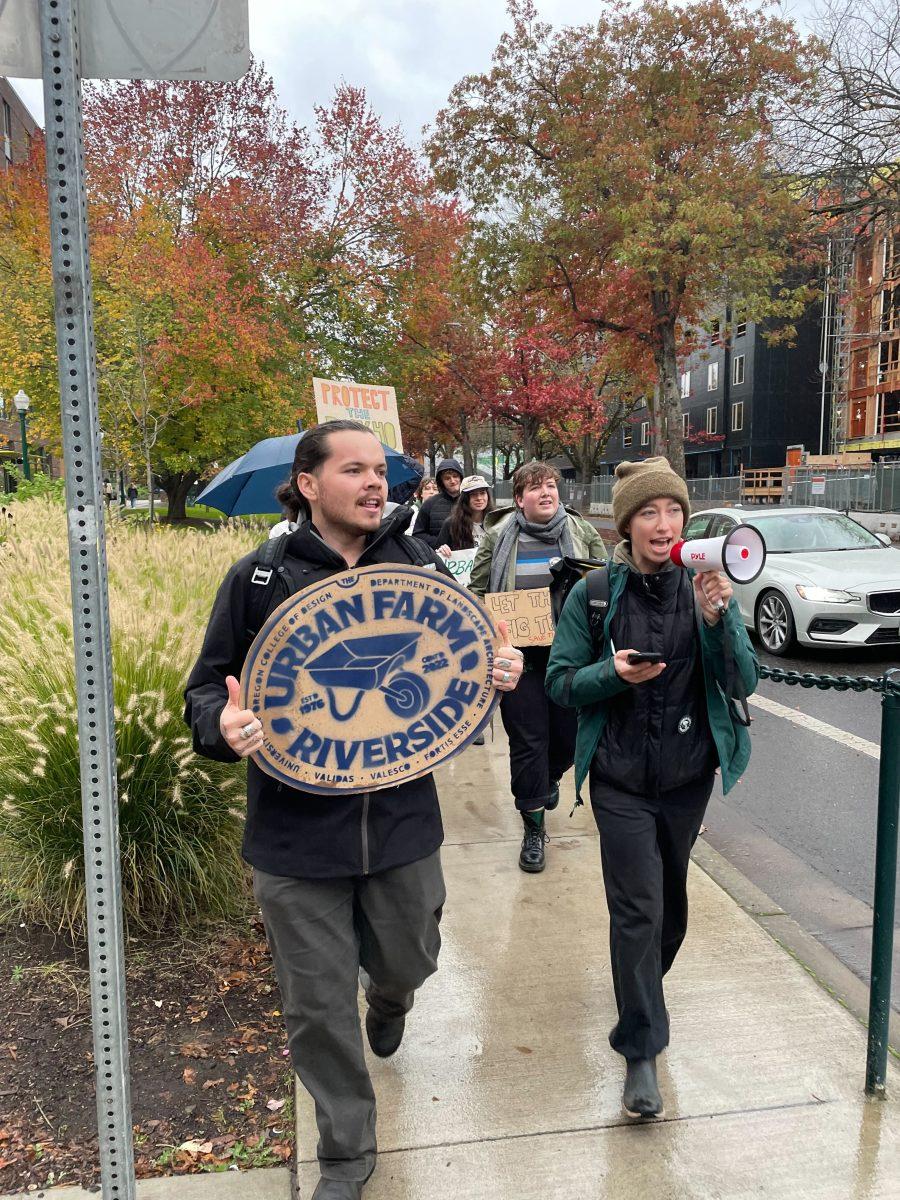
801	823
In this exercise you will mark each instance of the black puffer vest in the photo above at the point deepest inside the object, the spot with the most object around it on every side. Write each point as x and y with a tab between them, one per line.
657	736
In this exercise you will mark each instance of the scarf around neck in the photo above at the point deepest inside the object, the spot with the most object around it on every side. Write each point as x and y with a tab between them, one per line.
557	529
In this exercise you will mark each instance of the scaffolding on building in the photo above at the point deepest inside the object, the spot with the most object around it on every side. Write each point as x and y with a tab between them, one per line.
834	358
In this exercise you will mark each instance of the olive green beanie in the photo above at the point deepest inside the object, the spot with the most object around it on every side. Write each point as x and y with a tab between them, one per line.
639	482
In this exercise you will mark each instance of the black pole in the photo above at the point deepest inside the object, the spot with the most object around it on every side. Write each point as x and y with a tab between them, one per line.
885	891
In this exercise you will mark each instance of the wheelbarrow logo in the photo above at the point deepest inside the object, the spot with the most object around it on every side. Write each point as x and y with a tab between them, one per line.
360	665
369	679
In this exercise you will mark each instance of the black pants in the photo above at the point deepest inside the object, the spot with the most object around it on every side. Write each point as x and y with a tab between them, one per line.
541	738
645	847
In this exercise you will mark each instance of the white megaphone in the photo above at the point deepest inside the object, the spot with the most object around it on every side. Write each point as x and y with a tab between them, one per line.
741	554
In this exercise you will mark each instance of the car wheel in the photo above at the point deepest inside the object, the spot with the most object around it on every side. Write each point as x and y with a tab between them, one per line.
775	623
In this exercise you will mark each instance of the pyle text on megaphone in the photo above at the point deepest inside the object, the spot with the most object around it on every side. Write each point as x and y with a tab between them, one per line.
740	554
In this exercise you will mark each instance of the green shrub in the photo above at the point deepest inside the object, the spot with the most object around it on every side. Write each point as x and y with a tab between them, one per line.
180	816
38	487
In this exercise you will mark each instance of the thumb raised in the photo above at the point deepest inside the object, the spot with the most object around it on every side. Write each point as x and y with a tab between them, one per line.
234	690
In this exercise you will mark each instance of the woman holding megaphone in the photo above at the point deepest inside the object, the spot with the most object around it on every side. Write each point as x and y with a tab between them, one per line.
653	660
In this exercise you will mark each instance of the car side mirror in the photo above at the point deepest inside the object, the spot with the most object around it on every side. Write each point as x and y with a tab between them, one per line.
884	538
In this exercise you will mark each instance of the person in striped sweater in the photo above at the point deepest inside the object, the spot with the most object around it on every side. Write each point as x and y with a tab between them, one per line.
519	545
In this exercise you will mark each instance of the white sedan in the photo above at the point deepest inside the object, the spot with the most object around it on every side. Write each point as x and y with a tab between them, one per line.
827	581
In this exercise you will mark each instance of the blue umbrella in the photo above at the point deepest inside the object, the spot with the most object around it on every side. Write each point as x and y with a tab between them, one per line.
247	485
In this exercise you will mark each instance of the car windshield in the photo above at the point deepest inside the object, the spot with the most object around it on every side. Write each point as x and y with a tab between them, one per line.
800	533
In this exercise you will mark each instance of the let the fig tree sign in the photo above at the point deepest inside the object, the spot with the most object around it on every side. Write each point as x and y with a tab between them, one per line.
136	39
369	679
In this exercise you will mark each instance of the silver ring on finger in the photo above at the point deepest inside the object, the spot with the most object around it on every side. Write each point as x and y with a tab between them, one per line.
247	731
503	662
506	676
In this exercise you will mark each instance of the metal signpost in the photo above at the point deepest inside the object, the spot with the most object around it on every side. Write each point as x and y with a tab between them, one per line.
192	39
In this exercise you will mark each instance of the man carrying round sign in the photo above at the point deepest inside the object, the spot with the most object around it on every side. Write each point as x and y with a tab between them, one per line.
349	883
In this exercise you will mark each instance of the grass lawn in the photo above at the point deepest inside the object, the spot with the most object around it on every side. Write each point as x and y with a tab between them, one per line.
194	513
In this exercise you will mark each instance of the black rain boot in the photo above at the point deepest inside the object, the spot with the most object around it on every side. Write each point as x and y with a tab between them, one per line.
641	1097
384	1033
531	856
553	799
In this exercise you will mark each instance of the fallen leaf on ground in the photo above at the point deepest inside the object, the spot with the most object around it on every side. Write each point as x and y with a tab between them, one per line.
211	1083
274	1105
189	1075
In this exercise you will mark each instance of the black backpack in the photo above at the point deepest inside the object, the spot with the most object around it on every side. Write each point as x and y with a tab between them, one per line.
269	564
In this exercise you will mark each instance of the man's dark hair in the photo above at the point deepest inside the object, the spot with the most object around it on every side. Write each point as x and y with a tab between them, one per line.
461	536
530	473
312	450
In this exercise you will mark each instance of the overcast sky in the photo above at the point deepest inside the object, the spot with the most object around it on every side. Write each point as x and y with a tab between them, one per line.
406	53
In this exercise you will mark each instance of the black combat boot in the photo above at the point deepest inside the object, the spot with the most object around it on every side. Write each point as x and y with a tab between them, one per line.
531	856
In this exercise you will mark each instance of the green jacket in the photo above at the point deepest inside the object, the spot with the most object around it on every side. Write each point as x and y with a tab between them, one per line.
596	682
586	541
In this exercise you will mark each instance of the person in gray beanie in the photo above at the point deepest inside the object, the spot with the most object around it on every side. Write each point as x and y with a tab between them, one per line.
651	736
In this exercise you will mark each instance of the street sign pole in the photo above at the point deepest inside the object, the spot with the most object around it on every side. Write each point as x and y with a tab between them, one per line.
90	606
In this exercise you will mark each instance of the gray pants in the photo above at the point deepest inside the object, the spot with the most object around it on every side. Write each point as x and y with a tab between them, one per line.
321	933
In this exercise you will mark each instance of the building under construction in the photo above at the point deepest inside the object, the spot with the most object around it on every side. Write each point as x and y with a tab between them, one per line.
861	341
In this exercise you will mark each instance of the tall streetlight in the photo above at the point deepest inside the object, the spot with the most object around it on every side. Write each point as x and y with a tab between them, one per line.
23	403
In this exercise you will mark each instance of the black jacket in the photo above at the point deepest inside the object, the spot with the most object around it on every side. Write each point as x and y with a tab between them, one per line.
657	736
436	509
288	831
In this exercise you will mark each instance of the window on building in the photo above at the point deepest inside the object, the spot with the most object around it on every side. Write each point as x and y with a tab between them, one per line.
645	433
712	377
737	416
716	332
737	373
626	437
712	419
7	132
685	385
740	326
685	426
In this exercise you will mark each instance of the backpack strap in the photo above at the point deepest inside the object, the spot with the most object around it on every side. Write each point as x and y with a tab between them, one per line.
267	566
597	597
597	603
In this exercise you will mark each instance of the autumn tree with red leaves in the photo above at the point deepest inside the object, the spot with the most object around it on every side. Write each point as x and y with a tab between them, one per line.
234	256
632	157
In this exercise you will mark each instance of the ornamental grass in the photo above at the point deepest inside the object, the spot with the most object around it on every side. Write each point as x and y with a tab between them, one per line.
180	815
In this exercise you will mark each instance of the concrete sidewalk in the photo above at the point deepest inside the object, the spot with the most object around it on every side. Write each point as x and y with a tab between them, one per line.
505	1087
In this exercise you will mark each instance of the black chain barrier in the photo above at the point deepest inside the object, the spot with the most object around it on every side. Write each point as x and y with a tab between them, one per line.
840	683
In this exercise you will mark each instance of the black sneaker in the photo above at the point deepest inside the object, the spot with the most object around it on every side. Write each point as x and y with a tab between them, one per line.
553	798
531	856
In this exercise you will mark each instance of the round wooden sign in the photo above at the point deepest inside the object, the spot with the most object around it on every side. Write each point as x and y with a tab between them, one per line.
370	678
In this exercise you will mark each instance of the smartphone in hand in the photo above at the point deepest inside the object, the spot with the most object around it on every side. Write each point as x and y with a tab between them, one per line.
641	656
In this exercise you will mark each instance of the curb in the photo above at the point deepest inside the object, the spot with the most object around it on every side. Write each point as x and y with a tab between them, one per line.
817	960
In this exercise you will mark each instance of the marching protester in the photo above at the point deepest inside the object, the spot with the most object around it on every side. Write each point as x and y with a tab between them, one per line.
650	737
464	528
435	510
349	883
520	544
290	508
427	488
